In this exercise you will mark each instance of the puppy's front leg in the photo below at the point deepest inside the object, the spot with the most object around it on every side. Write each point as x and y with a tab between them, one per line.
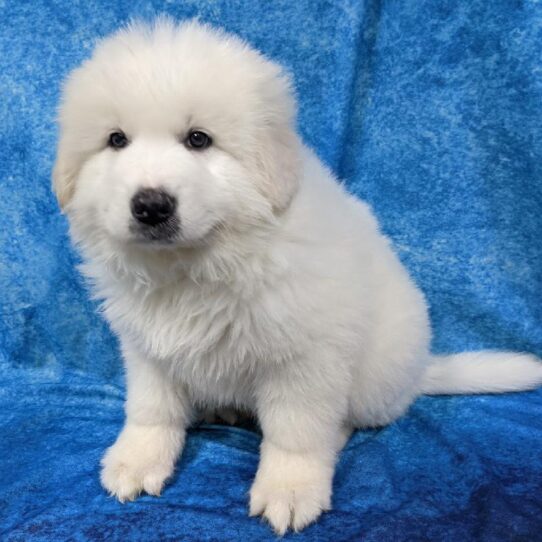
302	422
157	413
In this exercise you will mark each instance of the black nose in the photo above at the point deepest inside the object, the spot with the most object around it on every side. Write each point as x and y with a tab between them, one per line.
152	206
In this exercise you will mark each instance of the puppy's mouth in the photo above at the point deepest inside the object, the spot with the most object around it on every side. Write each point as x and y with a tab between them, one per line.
169	234
165	233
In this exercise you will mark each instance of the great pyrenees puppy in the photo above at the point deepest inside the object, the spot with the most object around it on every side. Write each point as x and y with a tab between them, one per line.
235	269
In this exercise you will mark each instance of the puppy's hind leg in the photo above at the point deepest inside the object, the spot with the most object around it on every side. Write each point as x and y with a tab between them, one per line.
386	383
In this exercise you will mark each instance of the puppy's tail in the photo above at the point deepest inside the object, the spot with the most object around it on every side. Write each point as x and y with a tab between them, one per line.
482	372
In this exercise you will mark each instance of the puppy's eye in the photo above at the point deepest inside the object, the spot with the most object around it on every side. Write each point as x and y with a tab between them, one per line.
198	140
117	140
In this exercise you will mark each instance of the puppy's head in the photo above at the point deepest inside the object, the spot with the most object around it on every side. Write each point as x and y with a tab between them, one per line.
169	133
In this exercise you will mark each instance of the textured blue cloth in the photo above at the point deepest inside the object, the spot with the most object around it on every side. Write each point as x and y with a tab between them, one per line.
432	111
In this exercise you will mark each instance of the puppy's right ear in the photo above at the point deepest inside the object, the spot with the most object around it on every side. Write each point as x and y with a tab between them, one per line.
64	173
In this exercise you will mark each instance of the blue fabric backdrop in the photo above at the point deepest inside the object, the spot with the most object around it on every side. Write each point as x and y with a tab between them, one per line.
430	110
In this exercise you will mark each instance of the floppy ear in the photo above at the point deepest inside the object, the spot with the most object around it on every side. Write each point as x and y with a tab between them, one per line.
279	163
64	172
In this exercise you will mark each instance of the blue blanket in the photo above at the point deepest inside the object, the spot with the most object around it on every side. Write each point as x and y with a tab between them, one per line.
431	111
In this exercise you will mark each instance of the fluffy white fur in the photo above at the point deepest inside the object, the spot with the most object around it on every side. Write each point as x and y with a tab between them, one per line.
280	295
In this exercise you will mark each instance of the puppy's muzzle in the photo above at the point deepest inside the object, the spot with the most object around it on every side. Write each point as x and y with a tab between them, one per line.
154	213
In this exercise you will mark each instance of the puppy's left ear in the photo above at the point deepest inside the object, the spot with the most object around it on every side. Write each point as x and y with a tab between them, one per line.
65	171
278	160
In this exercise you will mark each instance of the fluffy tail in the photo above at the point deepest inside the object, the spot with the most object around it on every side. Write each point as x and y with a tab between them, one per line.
482	372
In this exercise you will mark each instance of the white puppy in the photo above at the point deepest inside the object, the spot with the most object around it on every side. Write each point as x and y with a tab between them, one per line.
235	269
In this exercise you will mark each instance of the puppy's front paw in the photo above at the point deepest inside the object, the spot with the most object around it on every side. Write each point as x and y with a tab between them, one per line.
291	491
142	459
287	506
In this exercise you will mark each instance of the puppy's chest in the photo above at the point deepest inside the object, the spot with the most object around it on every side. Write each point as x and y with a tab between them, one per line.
210	338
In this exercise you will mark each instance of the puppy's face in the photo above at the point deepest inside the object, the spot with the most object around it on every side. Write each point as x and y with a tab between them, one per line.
169	134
